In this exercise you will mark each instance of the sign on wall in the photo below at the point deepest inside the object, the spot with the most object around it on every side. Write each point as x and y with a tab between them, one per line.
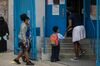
50	2
62	1
55	10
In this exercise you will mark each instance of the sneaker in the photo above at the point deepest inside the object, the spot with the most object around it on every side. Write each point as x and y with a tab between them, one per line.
82	52
53	61
74	59
17	61
57	60
29	63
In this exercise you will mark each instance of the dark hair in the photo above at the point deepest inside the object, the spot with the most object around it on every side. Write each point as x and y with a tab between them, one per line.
55	29
23	17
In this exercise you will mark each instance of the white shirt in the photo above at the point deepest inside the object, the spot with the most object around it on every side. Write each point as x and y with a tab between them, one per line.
60	36
22	34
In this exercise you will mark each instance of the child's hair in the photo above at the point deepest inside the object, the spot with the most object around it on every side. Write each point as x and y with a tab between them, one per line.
23	17
55	29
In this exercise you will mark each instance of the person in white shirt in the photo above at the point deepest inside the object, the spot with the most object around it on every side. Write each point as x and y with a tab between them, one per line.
22	40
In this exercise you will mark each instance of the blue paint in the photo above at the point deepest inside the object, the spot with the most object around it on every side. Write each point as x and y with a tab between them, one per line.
44	38
16	9
58	20
25	6
38	31
87	20
98	33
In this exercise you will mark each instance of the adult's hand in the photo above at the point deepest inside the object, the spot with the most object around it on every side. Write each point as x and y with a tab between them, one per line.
69	29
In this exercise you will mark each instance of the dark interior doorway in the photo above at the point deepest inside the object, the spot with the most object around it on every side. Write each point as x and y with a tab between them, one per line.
76	6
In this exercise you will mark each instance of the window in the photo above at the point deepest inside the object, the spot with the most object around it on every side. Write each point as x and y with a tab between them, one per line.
56	2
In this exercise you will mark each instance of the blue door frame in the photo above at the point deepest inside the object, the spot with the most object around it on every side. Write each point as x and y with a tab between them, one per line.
28	7
98	33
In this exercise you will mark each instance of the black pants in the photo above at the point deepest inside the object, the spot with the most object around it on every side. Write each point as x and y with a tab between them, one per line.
55	53
3	45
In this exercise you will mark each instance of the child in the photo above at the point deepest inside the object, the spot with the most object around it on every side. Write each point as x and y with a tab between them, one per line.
55	43
22	41
28	42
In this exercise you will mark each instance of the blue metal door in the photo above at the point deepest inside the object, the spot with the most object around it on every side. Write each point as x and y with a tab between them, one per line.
89	25
98	33
55	16
28	7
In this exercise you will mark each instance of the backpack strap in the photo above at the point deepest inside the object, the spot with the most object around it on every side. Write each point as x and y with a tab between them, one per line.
57	39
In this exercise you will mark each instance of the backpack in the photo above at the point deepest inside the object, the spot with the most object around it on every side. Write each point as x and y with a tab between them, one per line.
54	39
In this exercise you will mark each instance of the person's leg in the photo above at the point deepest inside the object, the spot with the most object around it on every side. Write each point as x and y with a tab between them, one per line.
76	49
81	51
20	54
79	47
23	57
1	46
57	53
53	54
4	47
28	62
18	57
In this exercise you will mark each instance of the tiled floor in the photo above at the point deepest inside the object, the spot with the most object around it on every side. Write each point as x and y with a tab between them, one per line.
6	60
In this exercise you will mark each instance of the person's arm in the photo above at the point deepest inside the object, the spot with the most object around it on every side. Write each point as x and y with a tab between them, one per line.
69	25
60	36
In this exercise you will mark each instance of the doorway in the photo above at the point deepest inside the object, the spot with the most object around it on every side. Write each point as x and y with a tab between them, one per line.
55	16
75	6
